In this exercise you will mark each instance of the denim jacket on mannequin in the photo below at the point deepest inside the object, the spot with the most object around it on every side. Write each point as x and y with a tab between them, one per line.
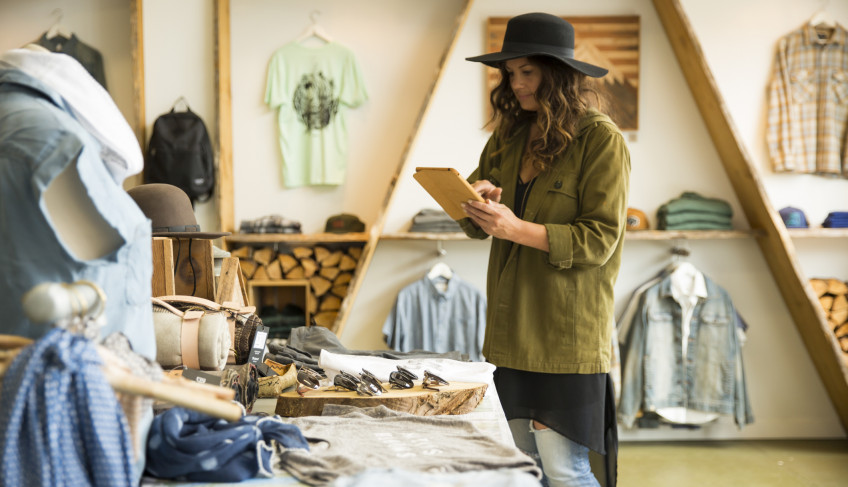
710	378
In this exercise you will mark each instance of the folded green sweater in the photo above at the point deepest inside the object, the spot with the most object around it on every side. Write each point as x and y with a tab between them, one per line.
691	201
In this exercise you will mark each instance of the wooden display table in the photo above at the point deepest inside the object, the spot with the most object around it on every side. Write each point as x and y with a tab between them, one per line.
456	398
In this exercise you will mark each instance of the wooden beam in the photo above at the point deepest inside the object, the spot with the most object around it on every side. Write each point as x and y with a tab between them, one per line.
137	48
377	228
775	243
163	267
223	81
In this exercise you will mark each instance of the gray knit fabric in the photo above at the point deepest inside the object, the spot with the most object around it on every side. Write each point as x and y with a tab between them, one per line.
347	440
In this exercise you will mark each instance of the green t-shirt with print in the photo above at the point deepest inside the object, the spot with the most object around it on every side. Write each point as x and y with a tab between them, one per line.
311	88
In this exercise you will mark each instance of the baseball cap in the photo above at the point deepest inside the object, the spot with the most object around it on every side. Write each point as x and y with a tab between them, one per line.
793	217
344	223
636	219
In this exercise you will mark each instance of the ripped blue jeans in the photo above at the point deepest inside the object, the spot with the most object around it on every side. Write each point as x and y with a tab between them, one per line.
564	463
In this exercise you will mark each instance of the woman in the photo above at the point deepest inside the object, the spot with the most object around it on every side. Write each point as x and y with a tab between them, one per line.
555	174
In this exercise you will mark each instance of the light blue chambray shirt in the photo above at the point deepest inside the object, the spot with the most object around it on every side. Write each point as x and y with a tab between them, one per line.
427	318
709	378
38	139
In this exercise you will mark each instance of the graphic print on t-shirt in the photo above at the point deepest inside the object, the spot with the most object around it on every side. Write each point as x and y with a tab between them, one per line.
313	100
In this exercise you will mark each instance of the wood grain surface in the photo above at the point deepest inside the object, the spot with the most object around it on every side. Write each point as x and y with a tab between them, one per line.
456	398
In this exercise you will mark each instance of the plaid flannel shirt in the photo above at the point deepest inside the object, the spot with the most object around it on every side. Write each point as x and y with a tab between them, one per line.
808	102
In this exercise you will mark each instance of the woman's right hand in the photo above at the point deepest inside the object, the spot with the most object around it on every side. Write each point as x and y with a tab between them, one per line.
487	190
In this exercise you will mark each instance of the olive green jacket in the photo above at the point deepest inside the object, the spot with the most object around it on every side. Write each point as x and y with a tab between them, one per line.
553	311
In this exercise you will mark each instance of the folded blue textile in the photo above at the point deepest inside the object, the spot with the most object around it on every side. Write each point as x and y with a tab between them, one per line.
188	445
60	423
836	219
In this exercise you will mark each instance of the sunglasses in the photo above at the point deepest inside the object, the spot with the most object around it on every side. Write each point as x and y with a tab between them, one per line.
431	380
309	379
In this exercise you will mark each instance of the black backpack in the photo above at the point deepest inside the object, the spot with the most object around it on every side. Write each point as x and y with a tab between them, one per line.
180	153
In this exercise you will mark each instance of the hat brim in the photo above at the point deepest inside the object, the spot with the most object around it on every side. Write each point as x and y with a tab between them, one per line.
495	58
197	235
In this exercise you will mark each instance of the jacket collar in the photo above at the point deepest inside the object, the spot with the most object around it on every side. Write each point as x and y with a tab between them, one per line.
838	37
702	288
546	180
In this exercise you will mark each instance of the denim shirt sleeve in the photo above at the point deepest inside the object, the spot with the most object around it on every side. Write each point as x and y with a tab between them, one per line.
632	355
743	412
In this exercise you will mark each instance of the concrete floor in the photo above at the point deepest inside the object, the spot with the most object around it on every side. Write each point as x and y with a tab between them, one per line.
762	463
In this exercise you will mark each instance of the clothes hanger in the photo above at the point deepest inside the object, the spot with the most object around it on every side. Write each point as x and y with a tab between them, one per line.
57	29
822	18
678	253
68	304
184	102
440	269
314	30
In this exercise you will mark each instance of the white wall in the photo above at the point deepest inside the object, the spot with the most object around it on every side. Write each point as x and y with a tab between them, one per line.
398	44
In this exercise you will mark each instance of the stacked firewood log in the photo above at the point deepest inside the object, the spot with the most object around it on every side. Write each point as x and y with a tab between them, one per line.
833	297
328	271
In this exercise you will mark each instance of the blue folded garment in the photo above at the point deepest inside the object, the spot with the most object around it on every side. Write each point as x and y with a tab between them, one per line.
188	445
836	219
60	423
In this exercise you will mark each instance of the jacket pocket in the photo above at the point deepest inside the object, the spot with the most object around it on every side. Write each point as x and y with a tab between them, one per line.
561	205
839	82
715	358
802	86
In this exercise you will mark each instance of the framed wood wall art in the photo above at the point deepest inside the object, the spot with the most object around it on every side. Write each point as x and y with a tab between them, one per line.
611	42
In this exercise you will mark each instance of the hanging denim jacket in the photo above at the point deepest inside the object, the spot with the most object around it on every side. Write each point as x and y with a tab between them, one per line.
656	375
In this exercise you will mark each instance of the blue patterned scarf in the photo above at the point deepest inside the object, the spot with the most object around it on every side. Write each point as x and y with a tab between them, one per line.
60	423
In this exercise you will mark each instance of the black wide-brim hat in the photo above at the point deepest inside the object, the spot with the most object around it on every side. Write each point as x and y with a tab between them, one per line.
170	211
539	34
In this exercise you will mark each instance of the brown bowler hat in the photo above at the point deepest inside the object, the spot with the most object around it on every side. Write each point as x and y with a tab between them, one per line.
170	210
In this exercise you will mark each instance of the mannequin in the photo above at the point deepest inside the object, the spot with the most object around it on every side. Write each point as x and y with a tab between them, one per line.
78	224
65	150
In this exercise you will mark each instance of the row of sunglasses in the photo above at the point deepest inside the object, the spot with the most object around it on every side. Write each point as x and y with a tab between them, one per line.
366	383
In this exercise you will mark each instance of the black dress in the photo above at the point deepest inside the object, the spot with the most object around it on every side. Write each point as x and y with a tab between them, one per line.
580	407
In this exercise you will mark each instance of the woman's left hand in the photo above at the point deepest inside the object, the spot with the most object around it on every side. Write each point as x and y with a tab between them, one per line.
494	218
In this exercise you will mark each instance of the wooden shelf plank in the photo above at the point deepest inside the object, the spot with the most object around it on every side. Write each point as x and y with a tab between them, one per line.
689	234
425	236
278	282
631	235
818	232
258	238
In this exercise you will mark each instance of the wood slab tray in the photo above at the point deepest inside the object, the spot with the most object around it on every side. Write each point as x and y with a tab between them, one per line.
456	398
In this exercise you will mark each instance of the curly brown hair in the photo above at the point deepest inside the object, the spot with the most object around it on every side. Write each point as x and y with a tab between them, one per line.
564	95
